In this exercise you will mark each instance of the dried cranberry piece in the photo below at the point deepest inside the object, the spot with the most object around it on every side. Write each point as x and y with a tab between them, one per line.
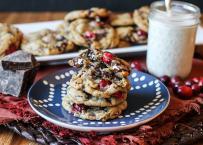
90	35
118	95
107	57
103	83
141	33
78	107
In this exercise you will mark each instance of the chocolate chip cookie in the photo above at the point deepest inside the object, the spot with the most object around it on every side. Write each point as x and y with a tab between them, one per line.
140	17
93	113
132	34
46	42
123	19
80	97
10	38
88	33
92	13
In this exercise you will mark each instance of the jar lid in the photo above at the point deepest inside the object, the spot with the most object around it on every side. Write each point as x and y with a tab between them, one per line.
181	13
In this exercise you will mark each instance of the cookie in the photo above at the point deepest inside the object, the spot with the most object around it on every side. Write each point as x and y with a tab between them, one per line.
46	42
103	62
123	19
80	97
10	38
132	34
93	85
140	17
93	13
87	33
93	113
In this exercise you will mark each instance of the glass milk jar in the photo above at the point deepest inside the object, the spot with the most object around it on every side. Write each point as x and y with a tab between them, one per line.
171	38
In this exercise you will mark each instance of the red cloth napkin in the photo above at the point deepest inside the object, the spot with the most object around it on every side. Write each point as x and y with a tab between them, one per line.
12	109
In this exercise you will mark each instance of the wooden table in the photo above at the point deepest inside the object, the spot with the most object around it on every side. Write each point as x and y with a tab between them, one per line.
7	137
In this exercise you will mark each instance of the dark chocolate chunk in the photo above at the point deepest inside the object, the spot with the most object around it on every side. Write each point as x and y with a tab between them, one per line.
15	83
19	60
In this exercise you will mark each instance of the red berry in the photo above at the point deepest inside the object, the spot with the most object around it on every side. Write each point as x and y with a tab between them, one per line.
107	57
136	65
175	88
195	80
90	35
201	85
103	83
189	83
118	95
78	107
176	80
141	33
184	92
165	79
195	89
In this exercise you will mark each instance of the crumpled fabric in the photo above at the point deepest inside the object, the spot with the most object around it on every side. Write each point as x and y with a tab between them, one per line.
152	133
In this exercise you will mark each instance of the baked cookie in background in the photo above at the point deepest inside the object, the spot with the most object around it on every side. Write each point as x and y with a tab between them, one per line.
131	34
121	19
92	13
46	42
90	33
10	38
140	17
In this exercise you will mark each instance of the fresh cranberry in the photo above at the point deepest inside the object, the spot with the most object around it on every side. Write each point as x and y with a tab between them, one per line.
201	85
136	65
165	79
118	95
90	35
195	89
78	107
195	80
175	88
103	83
176	80
141	33
189	83
184	92
107	57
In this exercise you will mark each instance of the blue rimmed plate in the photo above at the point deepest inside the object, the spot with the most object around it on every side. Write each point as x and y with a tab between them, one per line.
147	99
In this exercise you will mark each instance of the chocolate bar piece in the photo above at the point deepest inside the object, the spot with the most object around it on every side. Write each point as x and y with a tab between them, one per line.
15	83
19	60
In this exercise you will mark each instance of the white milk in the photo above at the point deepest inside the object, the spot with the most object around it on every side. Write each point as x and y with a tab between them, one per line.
171	40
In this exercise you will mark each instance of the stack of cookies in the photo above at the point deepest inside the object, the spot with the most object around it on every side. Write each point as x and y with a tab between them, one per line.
99	90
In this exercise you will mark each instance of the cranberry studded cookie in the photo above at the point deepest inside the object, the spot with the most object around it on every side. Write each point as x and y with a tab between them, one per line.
92	13
131	35
140	17
46	42
100	85
123	19
93	113
10	38
89	33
